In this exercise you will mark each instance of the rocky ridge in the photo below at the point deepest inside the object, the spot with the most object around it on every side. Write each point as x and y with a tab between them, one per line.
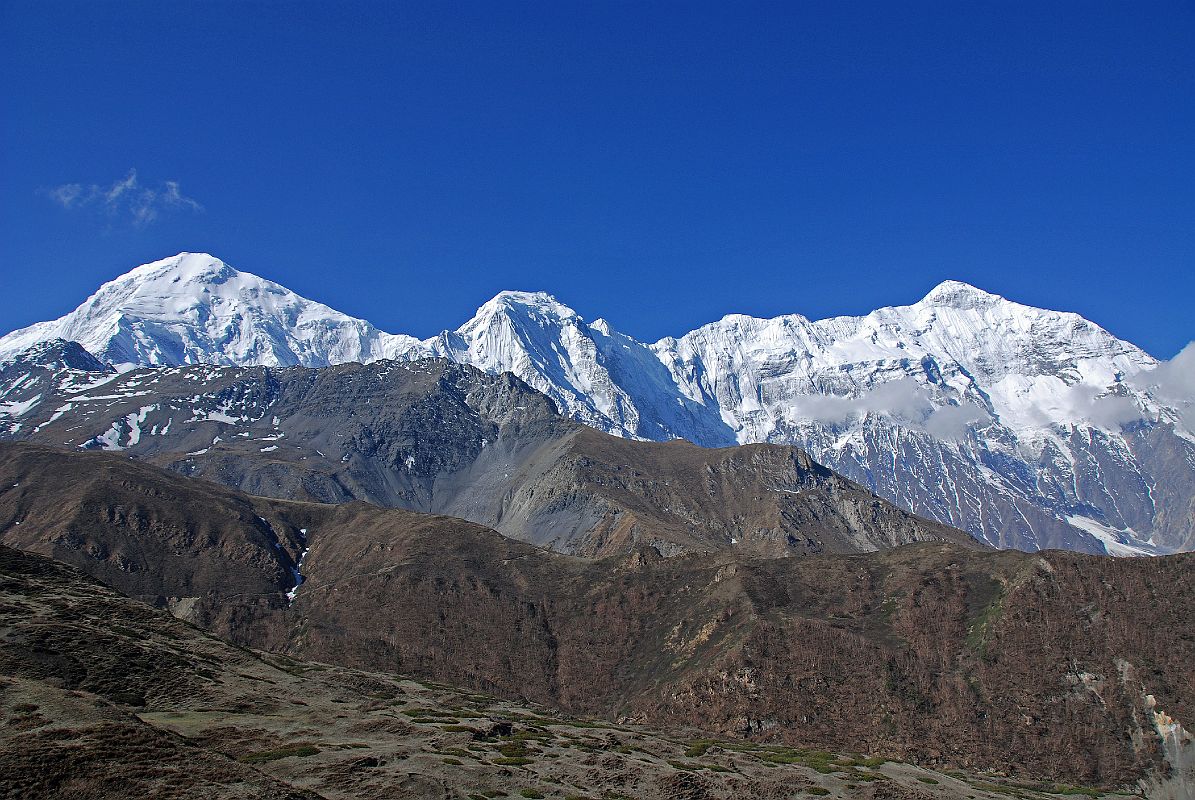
438	437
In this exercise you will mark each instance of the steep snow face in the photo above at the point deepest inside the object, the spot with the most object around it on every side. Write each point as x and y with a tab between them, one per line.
193	308
1026	427
985	357
546	344
593	373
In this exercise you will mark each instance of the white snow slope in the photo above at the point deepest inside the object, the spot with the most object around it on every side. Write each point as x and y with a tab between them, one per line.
1026	427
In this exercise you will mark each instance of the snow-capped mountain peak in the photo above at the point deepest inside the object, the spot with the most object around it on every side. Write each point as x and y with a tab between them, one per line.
536	303
185	267
514	325
959	295
193	308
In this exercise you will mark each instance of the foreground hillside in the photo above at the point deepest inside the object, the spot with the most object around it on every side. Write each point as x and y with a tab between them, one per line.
1055	666
103	697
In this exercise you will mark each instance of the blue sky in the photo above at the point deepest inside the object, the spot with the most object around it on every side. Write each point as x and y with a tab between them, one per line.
659	164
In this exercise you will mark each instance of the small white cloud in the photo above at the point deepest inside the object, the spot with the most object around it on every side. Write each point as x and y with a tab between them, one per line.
1085	402
124	198
903	398
66	195
1113	411
113	193
951	422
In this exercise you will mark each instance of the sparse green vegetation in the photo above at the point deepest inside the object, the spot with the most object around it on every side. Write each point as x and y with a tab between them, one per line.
817	760
287	751
420	713
513	749
691	767
1020	790
1073	790
887	609
978	631
455	752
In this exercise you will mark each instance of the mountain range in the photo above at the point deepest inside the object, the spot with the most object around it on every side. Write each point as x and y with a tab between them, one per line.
541	509
1027	428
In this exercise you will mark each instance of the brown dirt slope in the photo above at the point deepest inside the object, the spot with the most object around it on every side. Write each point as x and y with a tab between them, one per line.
103	697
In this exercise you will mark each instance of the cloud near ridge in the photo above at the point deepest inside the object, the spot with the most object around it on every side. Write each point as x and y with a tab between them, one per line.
124	198
911	405
904	399
1173	382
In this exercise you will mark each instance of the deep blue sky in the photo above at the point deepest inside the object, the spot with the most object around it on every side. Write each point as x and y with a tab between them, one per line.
658	164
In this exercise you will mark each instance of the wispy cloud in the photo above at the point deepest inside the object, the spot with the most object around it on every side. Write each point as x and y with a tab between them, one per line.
1173	382
126	198
904	399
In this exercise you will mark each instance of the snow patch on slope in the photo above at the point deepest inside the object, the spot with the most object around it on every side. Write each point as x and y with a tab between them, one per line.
1116	542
